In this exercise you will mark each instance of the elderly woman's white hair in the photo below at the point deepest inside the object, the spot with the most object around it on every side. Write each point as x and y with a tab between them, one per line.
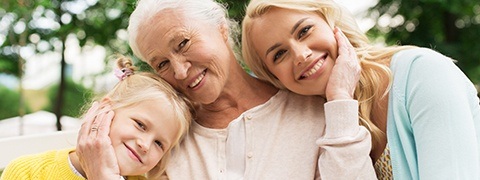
205	10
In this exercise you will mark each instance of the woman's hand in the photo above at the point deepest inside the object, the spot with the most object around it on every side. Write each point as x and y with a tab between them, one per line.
346	71
94	147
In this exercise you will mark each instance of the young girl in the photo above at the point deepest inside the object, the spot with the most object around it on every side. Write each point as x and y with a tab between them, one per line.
149	120
422	111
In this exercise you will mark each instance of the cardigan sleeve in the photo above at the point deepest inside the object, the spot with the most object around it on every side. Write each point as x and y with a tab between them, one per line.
441	101
345	146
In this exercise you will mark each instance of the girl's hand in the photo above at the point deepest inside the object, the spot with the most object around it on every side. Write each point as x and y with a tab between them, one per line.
94	147
346	71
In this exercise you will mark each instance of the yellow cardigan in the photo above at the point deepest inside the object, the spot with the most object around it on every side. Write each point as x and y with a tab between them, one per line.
48	165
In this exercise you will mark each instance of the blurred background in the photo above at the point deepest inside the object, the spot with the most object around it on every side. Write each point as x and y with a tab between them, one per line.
55	54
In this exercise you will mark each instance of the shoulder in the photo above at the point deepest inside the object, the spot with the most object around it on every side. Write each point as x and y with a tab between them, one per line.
287	99
423	59
286	106
427	73
34	163
422	64
291	98
21	167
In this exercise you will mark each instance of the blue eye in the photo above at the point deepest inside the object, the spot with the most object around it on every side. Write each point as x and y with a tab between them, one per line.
304	31
278	55
140	125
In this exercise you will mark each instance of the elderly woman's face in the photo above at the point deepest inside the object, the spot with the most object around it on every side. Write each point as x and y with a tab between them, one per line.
192	55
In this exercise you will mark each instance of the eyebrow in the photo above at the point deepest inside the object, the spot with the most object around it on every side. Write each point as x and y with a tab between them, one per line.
272	48
291	32
297	24
153	59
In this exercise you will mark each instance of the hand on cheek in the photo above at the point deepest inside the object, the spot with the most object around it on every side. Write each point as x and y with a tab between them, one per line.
94	147
346	71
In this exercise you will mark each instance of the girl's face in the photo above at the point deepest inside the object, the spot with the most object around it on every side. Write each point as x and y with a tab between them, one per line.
141	134
190	55
299	48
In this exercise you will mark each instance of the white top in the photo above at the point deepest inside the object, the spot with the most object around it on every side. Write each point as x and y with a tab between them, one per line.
285	138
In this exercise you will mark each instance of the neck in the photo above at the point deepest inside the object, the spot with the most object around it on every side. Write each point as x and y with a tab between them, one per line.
240	94
76	163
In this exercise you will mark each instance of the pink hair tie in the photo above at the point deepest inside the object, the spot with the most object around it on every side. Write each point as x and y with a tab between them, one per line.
123	73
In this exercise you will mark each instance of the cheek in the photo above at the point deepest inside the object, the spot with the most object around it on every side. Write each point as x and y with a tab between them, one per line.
280	70
171	80
324	40
116	139
156	157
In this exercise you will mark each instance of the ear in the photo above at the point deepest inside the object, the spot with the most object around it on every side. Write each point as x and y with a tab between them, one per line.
224	31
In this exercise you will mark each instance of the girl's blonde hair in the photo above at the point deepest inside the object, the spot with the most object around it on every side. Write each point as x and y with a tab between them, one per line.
373	59
143	86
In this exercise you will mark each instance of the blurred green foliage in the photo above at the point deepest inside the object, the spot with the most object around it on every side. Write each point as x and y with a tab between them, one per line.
42	26
9	104
451	27
76	97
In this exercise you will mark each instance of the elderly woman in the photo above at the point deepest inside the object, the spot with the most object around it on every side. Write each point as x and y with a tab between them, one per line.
245	128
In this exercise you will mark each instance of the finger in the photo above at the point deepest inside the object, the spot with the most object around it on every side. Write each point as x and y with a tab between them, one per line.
347	41
94	129
341	42
347	44
91	113
88	120
104	127
103	109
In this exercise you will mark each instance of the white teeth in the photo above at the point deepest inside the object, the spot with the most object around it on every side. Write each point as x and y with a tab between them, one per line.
314	69
199	78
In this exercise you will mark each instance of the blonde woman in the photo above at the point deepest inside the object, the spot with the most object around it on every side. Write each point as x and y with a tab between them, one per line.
149	120
422	111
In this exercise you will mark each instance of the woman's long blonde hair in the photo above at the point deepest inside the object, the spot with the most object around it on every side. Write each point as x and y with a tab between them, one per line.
374	60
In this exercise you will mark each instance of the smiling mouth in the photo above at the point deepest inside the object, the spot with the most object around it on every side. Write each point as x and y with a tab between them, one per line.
134	153
315	67
198	80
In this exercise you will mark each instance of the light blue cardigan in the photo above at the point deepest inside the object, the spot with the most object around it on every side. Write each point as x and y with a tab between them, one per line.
433	125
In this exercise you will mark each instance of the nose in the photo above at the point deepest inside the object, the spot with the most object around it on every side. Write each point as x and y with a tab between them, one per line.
144	144
180	68
302	53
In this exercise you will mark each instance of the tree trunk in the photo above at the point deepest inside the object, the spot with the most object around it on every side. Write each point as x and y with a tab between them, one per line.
451	31
61	88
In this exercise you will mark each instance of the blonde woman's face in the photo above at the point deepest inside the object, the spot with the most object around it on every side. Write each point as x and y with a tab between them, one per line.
141	134
299	48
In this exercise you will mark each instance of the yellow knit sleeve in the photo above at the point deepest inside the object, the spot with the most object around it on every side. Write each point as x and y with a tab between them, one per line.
18	169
